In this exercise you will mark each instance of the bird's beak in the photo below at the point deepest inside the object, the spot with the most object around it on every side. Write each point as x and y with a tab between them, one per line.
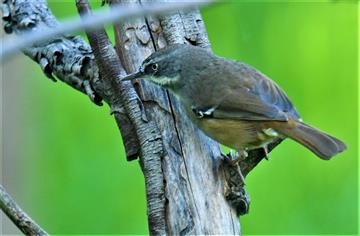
134	75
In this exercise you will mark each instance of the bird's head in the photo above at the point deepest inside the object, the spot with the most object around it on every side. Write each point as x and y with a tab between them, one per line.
163	67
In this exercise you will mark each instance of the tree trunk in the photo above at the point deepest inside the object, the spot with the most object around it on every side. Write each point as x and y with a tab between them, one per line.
190	190
192	170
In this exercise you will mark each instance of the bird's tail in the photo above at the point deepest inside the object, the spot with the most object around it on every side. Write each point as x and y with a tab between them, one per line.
320	143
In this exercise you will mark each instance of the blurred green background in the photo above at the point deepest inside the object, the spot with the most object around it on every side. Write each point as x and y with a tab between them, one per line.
63	156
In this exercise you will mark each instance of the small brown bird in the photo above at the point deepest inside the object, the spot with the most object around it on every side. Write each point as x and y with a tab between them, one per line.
232	102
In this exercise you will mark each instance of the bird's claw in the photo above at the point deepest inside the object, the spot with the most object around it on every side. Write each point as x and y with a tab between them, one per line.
233	159
266	152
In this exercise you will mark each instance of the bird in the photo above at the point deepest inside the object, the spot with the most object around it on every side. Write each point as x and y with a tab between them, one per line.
232	102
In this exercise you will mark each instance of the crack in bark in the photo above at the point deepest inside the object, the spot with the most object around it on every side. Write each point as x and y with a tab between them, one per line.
173	34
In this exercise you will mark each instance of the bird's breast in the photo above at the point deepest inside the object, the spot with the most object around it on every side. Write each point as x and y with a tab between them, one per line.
237	134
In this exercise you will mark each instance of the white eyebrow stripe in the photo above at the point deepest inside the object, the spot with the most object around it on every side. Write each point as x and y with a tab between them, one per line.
160	58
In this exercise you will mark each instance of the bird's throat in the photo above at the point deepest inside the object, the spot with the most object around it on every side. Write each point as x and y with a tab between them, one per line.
165	81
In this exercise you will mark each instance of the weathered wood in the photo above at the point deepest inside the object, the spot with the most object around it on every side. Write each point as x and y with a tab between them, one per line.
67	58
151	147
122	12
187	182
192	170
18	216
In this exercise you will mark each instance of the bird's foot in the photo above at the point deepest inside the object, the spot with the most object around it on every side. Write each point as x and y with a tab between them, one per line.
266	152
233	159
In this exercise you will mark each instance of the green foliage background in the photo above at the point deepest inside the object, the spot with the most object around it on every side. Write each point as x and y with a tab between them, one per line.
71	174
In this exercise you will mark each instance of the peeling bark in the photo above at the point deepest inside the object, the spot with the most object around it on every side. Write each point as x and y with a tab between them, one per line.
67	58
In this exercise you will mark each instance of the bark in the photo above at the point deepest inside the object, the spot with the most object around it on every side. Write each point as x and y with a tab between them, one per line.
146	130
18	216
190	189
67	58
192	167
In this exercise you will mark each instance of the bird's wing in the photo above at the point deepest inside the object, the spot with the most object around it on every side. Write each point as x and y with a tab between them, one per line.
245	107
254	97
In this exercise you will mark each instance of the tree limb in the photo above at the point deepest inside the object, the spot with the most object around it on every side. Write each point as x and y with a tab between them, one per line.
192	165
18	216
255	156
67	58
147	132
72	25
191	160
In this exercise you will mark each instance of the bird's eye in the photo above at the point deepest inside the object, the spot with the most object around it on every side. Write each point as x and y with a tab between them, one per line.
154	66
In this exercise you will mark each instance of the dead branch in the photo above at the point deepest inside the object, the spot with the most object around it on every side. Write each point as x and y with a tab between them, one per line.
18	216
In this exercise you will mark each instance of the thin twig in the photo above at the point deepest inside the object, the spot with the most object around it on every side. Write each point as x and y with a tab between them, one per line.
18	216
10	46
